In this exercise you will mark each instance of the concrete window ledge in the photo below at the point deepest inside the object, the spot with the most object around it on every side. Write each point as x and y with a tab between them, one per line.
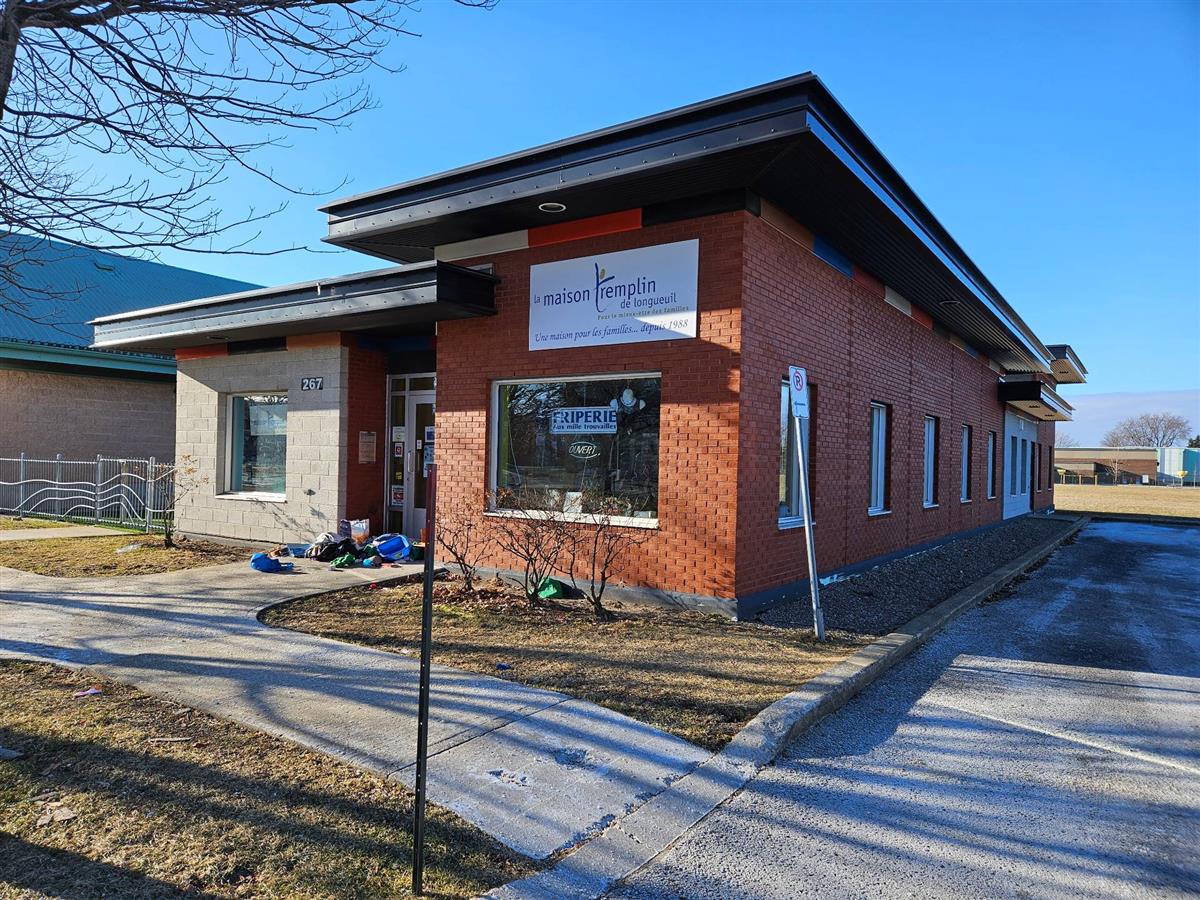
250	495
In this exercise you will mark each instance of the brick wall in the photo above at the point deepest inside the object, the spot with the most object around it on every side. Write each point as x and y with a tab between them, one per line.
693	549
80	416
366	411
797	310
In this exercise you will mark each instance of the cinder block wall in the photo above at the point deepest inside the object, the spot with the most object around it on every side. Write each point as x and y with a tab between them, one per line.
316	441
80	416
692	551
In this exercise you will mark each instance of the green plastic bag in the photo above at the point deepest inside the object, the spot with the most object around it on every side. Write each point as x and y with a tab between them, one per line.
343	561
551	589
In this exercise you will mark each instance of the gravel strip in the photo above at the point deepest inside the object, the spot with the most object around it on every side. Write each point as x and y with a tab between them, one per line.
879	600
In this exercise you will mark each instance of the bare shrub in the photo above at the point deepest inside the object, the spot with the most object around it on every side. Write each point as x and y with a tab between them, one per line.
536	536
461	534
599	548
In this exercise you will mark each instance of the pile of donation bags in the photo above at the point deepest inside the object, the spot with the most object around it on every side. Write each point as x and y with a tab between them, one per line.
353	545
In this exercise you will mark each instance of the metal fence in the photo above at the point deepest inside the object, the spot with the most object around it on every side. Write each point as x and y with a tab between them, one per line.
104	490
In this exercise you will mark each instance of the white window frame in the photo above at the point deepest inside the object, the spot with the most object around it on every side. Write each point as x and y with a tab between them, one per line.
1024	467
929	495
991	466
493	456
229	493
793	470
965	462
877	474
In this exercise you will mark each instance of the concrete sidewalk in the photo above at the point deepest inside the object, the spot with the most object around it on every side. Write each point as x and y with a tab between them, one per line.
538	770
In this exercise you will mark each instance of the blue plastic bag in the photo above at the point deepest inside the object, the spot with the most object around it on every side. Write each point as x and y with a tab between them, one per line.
265	562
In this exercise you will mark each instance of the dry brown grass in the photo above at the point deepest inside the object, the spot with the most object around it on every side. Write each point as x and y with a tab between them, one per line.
98	557
8	523
699	677
226	812
1139	499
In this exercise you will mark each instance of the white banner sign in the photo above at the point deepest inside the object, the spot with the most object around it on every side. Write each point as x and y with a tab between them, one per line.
628	297
584	420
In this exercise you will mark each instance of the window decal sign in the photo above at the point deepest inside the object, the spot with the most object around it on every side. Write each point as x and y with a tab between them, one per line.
584	420
627	297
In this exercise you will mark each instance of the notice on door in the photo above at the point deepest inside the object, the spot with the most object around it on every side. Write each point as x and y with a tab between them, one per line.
628	297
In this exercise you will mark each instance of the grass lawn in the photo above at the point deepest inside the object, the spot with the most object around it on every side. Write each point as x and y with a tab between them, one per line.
98	557
8	523
699	677
108	801
1142	499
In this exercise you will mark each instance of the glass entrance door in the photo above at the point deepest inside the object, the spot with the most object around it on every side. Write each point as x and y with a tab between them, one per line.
421	439
411	440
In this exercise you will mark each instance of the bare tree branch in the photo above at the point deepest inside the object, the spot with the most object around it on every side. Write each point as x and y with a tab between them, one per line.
118	119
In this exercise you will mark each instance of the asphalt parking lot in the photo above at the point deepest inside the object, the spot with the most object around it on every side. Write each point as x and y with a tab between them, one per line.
1047	744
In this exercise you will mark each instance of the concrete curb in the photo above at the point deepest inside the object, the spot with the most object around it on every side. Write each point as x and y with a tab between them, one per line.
1147	518
635	840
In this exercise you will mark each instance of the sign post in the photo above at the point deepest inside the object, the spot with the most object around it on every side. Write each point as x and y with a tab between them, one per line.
418	856
798	385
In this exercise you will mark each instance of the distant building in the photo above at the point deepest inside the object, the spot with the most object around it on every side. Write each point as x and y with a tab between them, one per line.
1125	465
60	395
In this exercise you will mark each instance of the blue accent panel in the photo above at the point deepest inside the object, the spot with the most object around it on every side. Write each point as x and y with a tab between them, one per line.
834	257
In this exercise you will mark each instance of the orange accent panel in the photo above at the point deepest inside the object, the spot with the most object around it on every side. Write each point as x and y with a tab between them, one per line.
201	352
322	339
611	223
923	318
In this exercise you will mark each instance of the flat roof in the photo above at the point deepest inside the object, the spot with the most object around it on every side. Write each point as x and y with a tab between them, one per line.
788	141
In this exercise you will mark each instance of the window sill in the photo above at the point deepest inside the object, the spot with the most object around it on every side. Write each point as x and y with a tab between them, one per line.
790	522
965	502
872	513
580	518
260	496
930	505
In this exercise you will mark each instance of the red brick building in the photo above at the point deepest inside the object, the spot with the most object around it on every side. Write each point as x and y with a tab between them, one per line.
615	315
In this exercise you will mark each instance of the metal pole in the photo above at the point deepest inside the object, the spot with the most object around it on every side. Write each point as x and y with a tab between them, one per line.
418	856
21	479
148	494
96	492
814	584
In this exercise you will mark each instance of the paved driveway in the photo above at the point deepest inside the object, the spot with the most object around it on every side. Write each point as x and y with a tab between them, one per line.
1045	745
537	769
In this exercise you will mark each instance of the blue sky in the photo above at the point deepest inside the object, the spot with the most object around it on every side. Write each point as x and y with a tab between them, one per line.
1059	143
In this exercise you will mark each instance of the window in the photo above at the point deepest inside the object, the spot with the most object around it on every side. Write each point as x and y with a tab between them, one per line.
257	443
991	465
1012	468
931	441
879	460
564	444
791	510
1039	467
966	464
1024	466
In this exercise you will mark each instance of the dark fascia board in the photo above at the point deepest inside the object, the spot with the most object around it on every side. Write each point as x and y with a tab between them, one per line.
443	290
1067	353
1031	391
779	111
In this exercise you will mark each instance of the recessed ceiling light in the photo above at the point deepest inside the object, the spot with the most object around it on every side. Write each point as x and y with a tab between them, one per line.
950	303
217	337
552	206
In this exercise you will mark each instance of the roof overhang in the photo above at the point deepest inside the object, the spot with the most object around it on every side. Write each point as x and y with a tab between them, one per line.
31	353
1036	398
1065	365
789	142
383	300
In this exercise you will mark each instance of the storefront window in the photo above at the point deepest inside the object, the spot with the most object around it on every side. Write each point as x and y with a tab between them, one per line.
258	443
565	445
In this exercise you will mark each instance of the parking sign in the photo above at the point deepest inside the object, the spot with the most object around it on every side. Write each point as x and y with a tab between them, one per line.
798	382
